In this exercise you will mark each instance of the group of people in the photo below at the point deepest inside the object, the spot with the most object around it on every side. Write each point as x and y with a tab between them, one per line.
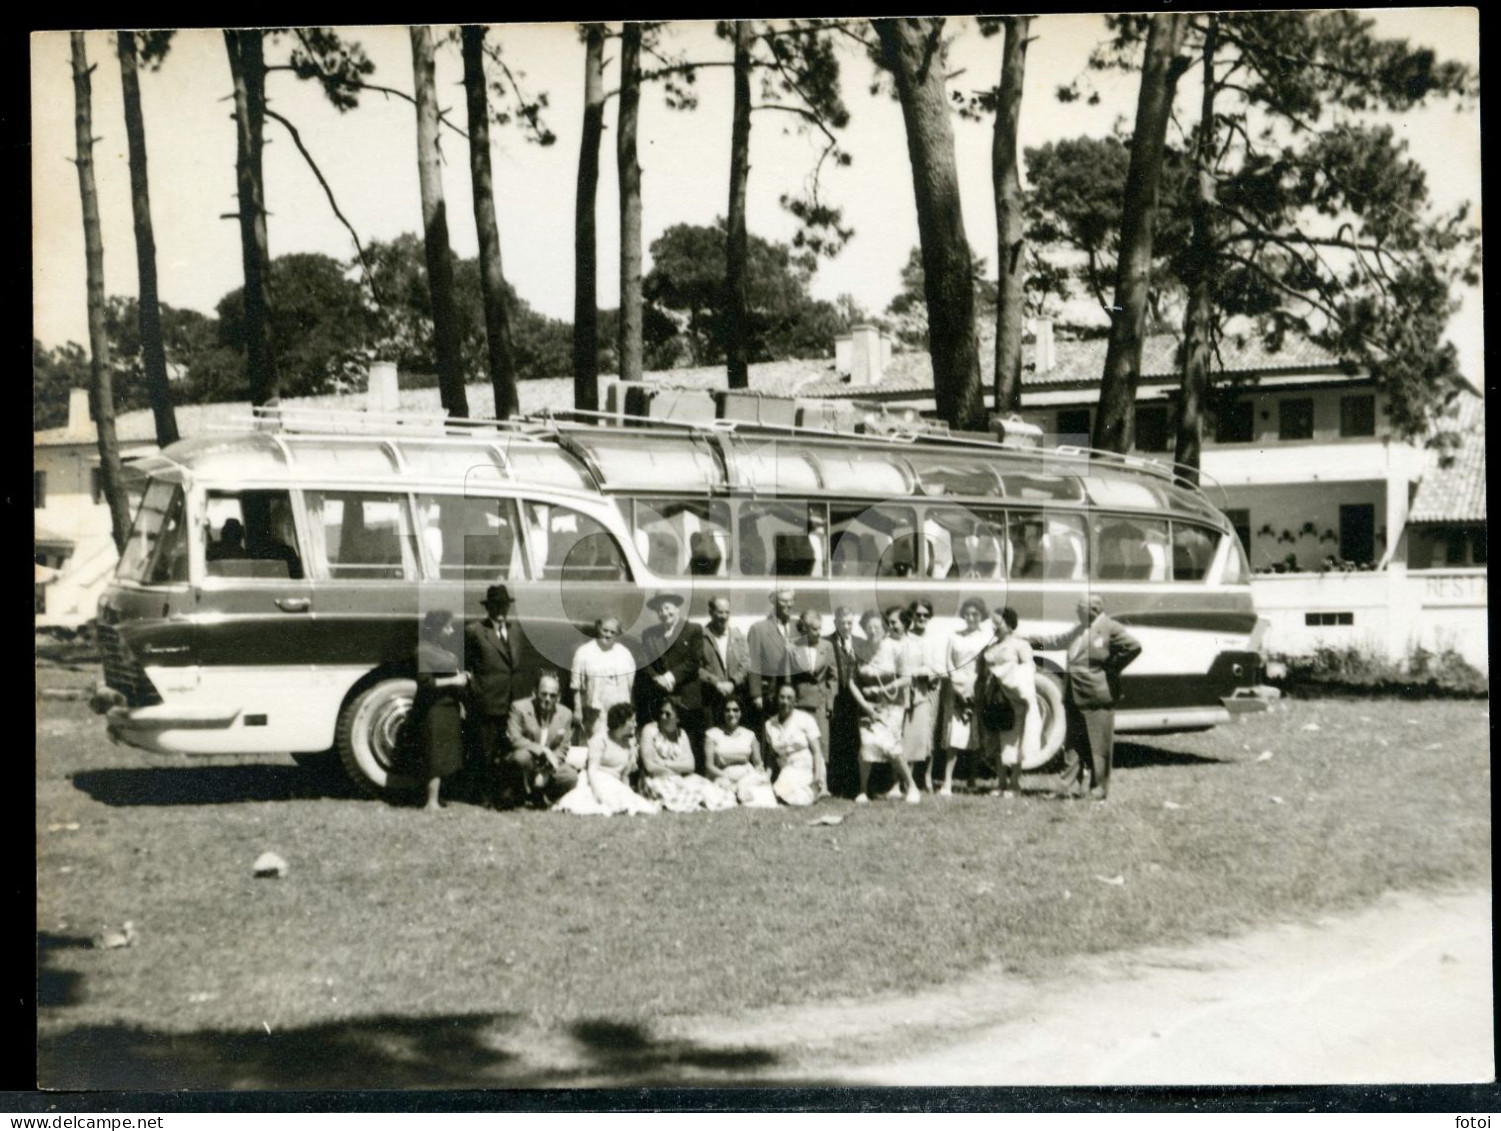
778	715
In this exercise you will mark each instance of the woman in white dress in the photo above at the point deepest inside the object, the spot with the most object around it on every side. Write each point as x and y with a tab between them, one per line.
667	762
732	757
1008	676
880	689
604	673
793	736
925	659
603	791
960	734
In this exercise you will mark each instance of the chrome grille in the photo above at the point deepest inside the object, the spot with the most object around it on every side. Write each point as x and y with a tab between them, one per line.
121	671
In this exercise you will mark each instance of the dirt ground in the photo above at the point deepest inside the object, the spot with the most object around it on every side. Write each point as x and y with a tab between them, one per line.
1400	992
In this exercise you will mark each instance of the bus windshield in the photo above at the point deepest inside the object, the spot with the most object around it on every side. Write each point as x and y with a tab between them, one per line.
156	550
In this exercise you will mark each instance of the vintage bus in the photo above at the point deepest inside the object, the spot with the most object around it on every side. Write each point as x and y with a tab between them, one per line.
268	597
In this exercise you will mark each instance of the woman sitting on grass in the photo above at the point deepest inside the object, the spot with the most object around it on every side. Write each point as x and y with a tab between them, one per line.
880	689
667	764
793	736
612	756
732	757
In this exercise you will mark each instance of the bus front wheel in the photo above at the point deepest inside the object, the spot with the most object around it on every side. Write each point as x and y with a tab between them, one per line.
370	741
1050	703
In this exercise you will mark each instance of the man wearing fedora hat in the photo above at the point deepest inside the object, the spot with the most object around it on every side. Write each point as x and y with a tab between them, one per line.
496	658
673	647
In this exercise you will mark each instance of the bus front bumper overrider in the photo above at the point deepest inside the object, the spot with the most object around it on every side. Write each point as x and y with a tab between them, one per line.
144	726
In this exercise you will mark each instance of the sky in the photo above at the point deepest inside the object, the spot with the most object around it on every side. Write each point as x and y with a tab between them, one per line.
369	158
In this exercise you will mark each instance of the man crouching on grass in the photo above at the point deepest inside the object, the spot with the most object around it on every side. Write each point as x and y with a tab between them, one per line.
538	732
1099	649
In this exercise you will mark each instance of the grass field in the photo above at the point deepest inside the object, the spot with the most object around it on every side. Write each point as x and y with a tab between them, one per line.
404	948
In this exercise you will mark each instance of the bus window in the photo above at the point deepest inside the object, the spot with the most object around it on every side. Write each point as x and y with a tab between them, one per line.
1130	549
683	537
469	537
140	547
570	546
359	536
779	539
1193	551
171	560
1047	545
873	541
965	542
250	534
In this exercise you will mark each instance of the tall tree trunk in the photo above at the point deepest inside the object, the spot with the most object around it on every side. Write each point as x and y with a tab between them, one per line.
737	307
630	202
1010	245
148	309
1115	422
435	227
1194	391
912	49
247	67
492	278
585	254
102	393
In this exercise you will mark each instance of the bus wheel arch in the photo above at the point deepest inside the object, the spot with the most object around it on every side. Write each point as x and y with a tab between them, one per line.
369	739
1054	724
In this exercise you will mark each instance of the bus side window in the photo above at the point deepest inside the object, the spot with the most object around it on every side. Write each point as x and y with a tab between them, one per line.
569	545
470	536
1065	550
873	541
965	542
360	536
250	534
1133	549
782	539
1193	551
683	537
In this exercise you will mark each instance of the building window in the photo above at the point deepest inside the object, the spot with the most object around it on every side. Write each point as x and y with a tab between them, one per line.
1240	518
38	490
1295	419
1324	620
1234	423
1357	532
1152	429
1357	416
1073	423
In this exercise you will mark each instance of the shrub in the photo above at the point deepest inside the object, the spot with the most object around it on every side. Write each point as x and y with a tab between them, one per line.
1354	671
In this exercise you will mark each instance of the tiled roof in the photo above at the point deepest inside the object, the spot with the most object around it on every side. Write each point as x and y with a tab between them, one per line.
1081	361
1456	492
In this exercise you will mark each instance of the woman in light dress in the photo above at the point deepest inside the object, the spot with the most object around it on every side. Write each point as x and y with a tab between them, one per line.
959	729
1008	674
604	673
667	761
925	657
603	791
793	736
732	757
880	689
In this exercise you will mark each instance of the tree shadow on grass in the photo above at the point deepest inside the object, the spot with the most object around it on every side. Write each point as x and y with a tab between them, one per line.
210	785
1132	754
57	988
469	1051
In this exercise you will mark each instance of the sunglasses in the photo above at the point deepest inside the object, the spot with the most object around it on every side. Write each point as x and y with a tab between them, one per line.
922	616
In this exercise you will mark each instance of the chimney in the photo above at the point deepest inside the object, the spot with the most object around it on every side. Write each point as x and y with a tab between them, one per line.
1043	355
79	416
842	350
866	361
384	394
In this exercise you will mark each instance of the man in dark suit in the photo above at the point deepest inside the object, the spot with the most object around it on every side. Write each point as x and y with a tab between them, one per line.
495	656
767	640
1099	649
538	732
724	661
813	672
850	651
674	647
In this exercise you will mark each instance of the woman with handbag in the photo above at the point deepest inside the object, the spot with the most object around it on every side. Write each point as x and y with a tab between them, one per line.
1006	702
958	729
